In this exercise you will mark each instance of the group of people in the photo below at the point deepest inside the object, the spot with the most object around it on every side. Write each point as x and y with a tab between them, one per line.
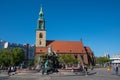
115	68
11	69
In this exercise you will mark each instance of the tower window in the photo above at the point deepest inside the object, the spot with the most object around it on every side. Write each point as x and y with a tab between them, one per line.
40	35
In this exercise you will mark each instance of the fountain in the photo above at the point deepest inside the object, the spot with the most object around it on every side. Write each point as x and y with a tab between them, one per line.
49	61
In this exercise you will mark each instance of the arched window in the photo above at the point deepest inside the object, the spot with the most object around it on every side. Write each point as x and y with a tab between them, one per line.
76	56
40	35
82	57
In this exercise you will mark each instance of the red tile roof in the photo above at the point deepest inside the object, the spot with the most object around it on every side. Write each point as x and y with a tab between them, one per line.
64	47
88	50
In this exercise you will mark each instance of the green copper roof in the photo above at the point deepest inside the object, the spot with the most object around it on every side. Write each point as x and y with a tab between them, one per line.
41	21
41	11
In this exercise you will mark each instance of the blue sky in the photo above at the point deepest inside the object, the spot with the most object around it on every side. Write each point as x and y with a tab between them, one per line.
97	22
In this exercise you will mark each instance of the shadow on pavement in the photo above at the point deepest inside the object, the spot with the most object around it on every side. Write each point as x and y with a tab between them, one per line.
91	73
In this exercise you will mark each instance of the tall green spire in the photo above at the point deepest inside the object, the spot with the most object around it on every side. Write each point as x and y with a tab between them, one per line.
41	21
41	12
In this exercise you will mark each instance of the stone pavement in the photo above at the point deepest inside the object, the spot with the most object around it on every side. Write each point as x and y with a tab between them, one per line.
96	74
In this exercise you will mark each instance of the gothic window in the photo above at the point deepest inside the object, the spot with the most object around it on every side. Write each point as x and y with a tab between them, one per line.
82	57
76	56
40	35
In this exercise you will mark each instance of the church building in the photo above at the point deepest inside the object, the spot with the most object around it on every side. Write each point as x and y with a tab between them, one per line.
74	48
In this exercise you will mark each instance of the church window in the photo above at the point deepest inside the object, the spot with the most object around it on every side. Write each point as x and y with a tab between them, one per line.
40	35
82	57
76	56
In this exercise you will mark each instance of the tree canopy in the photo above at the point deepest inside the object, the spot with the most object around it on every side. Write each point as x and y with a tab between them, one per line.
67	58
102	60
11	56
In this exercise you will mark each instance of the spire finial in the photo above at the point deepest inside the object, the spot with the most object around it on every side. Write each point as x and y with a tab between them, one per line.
41	11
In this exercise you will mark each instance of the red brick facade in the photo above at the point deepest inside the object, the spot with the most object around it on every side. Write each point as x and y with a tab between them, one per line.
76	49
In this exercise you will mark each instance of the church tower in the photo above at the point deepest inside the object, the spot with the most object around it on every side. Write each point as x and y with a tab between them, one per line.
40	31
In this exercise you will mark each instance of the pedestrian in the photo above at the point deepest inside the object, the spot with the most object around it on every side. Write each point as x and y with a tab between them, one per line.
91	66
63	66
15	68
116	69
12	69
72	70
9	70
108	68
81	68
86	70
43	69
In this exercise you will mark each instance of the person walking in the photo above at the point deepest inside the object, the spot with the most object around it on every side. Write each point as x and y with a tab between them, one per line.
86	70
108	68
43	69
116	69
9	70
81	68
72	70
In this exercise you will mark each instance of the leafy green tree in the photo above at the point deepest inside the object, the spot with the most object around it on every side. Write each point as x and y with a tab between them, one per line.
31	63
11	56
102	60
5	57
67	58
17	56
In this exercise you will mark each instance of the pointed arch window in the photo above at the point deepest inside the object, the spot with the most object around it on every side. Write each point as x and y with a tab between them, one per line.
40	35
76	56
82	57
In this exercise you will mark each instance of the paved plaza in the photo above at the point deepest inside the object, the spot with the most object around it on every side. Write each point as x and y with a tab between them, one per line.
96	74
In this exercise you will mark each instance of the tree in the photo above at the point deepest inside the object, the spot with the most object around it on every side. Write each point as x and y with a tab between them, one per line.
67	58
17	56
11	56
102	60
5	57
31	63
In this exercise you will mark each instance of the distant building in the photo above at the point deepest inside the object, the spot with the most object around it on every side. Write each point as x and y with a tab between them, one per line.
115	58
2	42
74	48
106	55
28	49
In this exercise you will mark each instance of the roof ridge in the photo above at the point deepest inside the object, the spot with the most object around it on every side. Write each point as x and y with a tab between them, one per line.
63	40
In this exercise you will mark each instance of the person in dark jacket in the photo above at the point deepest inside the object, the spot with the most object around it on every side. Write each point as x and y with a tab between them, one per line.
43	69
9	70
116	69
